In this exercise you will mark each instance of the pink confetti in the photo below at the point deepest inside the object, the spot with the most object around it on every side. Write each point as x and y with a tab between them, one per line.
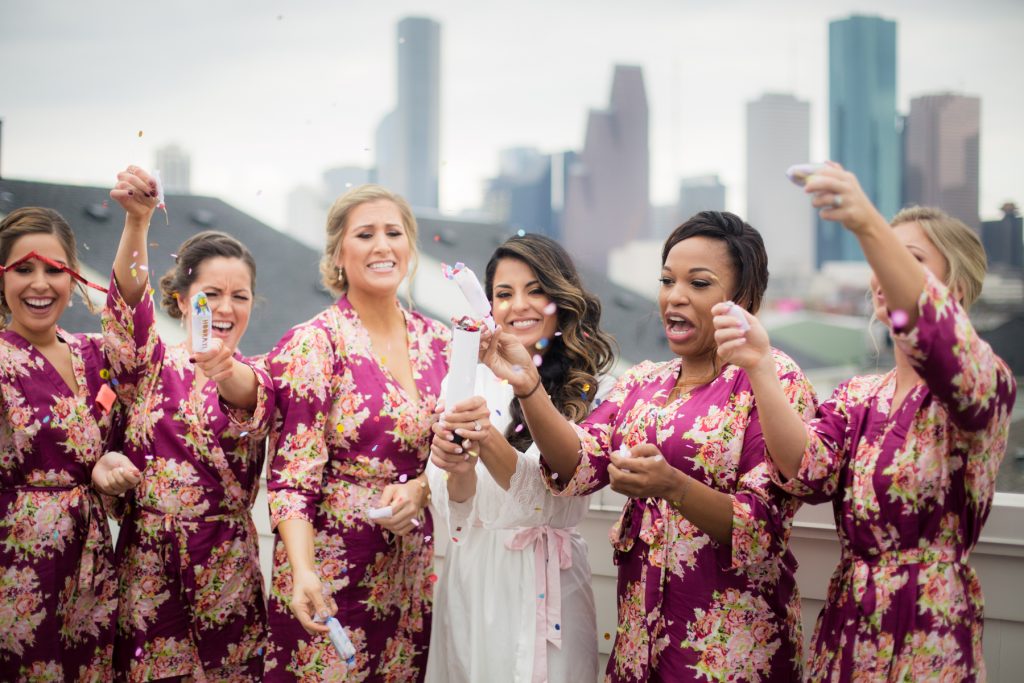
537	359
550	309
558	334
138	650
554	475
519	427
899	318
403	478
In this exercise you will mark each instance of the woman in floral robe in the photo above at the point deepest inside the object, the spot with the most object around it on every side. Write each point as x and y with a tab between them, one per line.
191	602
57	584
356	387
908	459
705	588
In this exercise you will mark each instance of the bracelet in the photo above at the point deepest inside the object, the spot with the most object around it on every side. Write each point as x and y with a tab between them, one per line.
530	392
676	504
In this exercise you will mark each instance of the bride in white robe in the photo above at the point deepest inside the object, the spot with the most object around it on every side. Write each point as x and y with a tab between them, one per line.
514	602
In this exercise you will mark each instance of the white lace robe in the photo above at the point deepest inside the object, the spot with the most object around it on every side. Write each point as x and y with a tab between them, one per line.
489	600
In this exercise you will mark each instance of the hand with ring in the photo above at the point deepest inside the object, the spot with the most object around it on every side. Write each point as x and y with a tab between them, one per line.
470	420
837	194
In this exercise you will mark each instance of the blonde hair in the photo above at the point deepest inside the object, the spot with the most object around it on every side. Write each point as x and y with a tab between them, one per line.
337	219
960	246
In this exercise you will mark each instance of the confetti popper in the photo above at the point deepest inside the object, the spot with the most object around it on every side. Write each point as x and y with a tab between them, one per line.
379	513
160	201
340	640
736	312
799	173
467	281
461	381
202	323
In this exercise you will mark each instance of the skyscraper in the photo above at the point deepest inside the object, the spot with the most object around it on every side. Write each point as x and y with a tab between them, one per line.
778	136
699	193
863	124
607	199
528	192
941	138
1004	240
408	138
175	169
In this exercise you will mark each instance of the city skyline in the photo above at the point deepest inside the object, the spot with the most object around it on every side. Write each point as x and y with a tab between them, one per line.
269	98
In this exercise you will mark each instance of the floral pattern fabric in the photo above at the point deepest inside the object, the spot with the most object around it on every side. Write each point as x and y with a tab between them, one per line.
911	489
345	429
191	591
690	608
58	589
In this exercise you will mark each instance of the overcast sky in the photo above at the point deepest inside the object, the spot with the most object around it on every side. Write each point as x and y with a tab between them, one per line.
265	95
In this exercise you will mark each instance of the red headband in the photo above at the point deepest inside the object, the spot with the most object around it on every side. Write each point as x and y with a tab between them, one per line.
54	264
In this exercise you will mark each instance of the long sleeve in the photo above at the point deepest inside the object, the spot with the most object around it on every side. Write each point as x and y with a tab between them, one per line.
595	434
958	366
763	512
130	341
302	366
255	422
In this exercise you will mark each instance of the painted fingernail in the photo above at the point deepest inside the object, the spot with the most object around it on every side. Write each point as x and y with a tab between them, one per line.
131	192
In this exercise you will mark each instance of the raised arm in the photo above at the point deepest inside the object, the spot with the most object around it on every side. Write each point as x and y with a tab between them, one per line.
783	428
838	195
136	191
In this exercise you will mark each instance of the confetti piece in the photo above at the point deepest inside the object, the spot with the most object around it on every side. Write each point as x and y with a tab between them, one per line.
341	428
86	246
374	449
403	478
427	539
105	204
542	344
498	411
899	318
140	133
454	540
558	334
554	475
174	256
138	650
113	382
144	267
437	238
105	397
521	232
46	420
149	457
540	597
415	522
154	244
134	254
519	427
550	309
607	636
558	627
135	273
538	359
586	387
243	435
105	374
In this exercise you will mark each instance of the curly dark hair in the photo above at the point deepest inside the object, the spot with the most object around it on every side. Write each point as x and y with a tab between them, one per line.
574	360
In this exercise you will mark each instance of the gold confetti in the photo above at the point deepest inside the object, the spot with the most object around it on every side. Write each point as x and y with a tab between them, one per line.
140	133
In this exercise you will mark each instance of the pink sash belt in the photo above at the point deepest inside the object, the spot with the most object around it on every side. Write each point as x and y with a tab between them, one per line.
552	547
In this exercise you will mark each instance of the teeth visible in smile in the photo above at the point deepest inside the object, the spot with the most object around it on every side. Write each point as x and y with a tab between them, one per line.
383	265
223	326
524	323
40	303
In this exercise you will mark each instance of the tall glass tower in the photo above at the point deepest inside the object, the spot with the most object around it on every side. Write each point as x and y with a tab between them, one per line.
864	129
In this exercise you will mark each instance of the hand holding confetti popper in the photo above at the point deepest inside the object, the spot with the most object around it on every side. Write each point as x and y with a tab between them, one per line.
340	640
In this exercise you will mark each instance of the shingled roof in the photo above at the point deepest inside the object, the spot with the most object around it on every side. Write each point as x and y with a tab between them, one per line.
288	278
